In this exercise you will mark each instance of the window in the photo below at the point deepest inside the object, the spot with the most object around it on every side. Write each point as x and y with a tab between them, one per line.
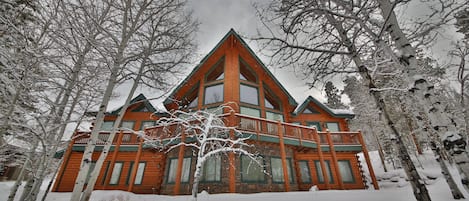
315	124
333	126
270	100
250	111
116	173
310	110
246	73
274	116
193	103
211	170
127	125
107	125
249	94
345	170
304	172
216	73
319	171
252	171
92	165
173	166
213	94
146	124
277	170
140	171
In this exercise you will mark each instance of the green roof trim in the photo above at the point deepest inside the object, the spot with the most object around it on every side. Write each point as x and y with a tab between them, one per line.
139	98
322	106
291	100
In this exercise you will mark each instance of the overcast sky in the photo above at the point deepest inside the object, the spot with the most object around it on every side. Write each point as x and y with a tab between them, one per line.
217	17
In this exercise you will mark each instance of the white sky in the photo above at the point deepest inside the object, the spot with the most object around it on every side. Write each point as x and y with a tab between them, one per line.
217	17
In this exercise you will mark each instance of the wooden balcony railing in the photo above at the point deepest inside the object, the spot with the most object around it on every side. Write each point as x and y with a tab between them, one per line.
246	124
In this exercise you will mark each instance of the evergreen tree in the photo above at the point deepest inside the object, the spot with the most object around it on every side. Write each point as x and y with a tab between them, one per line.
333	96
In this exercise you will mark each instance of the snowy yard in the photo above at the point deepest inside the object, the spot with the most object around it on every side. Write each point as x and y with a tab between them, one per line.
393	188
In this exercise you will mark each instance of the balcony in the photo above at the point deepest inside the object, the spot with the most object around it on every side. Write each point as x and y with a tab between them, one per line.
251	127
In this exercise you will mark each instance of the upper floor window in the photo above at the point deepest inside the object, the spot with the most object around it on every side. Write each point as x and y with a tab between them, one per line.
127	125
107	125
245	72
216	72
213	94
249	94
333	126
310	110
271	101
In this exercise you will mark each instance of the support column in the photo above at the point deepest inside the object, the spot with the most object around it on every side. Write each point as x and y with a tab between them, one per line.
334	159
177	183
283	155
321	158
135	166
231	157
113	159
368	161
66	156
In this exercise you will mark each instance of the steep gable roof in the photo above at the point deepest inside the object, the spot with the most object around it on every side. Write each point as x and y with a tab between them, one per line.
332	112
232	32
140	98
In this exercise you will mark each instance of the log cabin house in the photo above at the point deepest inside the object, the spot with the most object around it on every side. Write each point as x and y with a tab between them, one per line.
300	145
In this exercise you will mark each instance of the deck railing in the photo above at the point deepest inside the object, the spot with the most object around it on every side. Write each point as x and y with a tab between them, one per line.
246	124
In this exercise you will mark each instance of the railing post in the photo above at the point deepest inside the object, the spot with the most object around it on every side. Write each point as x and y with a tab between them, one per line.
321	158
231	156
135	166
334	159
66	156
283	156
368	161
113	158
177	183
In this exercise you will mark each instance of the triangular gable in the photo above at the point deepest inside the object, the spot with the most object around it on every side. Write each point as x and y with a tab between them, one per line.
232	32
331	112
146	106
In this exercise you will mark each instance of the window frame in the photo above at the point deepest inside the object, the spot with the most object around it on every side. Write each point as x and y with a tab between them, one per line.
217	172
119	174
175	169
317	164
262	180
332	122
350	169
308	168
222	95
314	123
289	170
143	172
107	121
128	121
252	87
213	68
248	68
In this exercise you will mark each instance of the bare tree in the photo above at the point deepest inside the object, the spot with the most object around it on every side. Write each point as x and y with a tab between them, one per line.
213	137
326	38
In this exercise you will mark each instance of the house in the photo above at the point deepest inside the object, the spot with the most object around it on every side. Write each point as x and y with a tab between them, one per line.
300	145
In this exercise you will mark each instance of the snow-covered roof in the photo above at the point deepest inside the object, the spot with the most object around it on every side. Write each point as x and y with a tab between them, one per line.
341	113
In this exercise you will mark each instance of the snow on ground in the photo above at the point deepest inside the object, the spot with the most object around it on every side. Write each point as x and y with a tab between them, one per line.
393	187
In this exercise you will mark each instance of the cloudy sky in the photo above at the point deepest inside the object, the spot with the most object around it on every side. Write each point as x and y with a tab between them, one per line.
217	17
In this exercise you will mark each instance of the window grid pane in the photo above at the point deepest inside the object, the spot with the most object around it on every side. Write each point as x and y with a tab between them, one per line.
116	173
346	171
140	171
107	125
211	169
319	171
304	171
251	171
277	170
249	94
128	125
213	94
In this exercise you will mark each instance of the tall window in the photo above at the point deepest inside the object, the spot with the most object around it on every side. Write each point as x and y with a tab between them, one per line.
140	171
345	170
277	170
252	171
249	94
270	100
213	94
173	165
304	172
212	169
319	171
107	125
116	173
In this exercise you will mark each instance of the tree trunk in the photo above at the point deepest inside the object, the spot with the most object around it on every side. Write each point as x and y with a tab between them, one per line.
19	180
